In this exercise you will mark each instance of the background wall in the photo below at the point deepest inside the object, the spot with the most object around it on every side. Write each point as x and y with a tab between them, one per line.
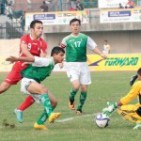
120	41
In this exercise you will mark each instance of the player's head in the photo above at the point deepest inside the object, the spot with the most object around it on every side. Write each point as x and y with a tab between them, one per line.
75	25
139	73
58	54
36	27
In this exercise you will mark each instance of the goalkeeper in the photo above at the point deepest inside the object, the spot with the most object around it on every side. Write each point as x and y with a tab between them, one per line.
130	112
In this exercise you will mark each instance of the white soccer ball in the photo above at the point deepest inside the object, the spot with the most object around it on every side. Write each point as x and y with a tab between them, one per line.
101	120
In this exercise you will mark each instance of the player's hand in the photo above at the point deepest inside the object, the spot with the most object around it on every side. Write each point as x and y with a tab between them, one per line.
104	56
133	79
12	59
111	107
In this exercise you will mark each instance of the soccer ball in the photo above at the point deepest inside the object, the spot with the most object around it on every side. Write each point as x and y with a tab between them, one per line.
101	120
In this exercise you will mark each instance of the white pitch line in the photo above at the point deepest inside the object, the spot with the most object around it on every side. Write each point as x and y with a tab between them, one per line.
75	117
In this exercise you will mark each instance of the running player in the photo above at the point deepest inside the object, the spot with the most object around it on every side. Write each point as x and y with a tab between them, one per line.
76	45
33	75
30	45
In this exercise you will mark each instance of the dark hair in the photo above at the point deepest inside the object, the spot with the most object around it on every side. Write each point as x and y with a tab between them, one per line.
75	20
139	71
57	50
32	24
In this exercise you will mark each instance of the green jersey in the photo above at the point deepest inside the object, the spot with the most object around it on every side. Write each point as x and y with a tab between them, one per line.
76	47
39	70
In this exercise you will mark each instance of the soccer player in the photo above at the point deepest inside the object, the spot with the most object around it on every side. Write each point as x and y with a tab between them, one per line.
30	45
33	75
131	112
76	45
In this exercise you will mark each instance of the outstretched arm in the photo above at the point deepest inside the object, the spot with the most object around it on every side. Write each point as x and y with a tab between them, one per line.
97	51
24	59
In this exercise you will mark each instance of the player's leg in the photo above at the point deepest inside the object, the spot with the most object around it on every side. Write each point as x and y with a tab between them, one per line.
26	103
29	100
73	92
12	79
4	86
85	80
82	99
73	75
47	100
53	101
131	113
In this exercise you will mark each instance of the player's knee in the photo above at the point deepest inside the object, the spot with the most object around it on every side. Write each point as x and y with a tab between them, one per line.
83	89
4	86
43	90
76	87
54	103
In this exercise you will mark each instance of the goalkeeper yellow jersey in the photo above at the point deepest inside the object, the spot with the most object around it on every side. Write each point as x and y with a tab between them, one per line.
135	92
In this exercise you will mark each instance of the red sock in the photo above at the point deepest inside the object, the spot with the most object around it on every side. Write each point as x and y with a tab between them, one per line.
27	103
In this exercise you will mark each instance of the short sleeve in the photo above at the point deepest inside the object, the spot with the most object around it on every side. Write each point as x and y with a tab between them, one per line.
91	44
42	62
24	40
44	46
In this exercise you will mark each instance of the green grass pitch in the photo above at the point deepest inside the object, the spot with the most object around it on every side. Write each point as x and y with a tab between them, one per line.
106	86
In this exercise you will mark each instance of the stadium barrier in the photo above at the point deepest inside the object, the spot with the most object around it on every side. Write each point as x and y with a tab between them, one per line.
114	62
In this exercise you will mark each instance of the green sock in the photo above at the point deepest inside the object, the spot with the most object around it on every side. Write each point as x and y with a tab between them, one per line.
46	103
83	97
72	95
43	118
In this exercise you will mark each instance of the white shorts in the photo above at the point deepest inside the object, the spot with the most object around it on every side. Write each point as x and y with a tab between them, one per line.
25	82
78	71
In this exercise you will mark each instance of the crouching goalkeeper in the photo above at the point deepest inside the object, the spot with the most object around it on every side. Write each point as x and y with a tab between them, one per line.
130	112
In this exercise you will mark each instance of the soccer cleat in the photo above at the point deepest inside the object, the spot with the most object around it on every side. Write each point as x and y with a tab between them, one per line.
53	117
78	111
71	105
19	115
40	126
137	126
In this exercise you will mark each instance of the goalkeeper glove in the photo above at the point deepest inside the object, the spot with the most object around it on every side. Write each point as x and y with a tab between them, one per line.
111	107
133	79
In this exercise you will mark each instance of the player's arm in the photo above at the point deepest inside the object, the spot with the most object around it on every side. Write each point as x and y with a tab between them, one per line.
23	59
97	51
133	93
36	61
93	46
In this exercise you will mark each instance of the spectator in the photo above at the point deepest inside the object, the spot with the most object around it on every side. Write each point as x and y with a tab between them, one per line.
106	47
29	6
72	5
44	7
3	4
120	5
22	20
130	4
9	9
79	5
